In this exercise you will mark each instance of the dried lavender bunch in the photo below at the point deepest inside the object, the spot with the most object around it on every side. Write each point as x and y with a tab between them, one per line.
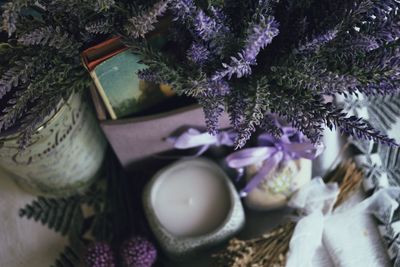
40	59
253	58
249	58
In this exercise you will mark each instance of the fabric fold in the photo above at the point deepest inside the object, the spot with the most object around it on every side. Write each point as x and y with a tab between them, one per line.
350	237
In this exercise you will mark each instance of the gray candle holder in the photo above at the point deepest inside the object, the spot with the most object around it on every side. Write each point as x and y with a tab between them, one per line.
182	247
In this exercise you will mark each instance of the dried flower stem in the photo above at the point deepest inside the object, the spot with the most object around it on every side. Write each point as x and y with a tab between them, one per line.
271	248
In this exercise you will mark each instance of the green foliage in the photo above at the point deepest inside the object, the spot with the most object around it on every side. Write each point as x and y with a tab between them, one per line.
248	58
11	14
101	26
68	258
256	109
52	37
20	72
300	53
143	23
42	65
65	216
57	214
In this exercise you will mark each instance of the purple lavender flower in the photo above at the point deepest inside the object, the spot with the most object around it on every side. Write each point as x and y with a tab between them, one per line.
184	10
217	88
317	42
213	108
198	53
213	30
365	43
390	33
219	16
149	76
384	87
208	88
259	37
206	27
138	252
239	66
100	254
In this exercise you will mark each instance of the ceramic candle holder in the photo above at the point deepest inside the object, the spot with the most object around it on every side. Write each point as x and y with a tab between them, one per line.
192	205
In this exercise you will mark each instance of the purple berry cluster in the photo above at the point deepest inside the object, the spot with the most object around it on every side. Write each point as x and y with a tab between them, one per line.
100	254
135	252
138	252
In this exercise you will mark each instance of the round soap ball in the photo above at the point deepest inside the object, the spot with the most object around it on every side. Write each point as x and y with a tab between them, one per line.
100	254
138	252
277	187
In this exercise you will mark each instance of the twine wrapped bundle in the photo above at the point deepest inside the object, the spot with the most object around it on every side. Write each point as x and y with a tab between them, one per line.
268	250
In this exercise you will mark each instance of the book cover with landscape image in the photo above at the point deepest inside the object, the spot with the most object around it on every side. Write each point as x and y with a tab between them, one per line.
121	89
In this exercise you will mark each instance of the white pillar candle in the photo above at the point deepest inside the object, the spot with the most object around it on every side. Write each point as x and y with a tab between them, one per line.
191	199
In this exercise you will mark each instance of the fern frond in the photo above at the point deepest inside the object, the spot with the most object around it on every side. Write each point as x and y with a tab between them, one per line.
68	258
57	214
384	111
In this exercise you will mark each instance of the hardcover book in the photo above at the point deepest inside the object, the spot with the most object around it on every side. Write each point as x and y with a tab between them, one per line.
114	71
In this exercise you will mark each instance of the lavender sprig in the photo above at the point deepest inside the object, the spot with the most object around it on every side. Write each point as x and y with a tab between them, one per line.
144	23
356	127
213	108
239	66
54	37
211	29
198	54
103	5
316	42
364	43
184	10
207	88
206	27
149	76
260	36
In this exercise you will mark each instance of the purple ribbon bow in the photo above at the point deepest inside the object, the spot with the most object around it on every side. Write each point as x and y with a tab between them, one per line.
194	138
291	146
